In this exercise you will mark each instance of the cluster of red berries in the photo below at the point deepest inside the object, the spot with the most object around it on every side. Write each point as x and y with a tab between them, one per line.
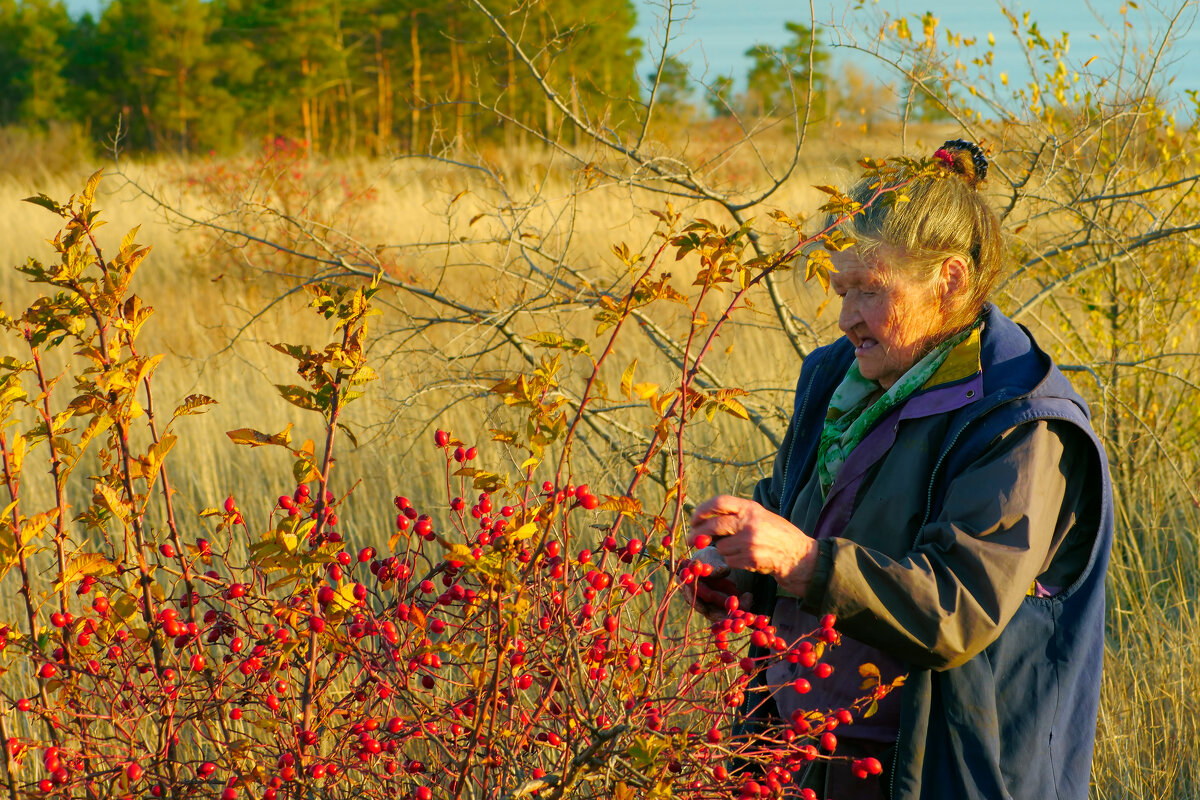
771	784
423	526
56	768
864	767
580	495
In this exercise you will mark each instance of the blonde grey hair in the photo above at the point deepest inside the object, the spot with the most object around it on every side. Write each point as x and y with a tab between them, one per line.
944	215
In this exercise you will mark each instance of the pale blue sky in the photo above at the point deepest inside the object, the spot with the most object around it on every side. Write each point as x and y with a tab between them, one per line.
716	34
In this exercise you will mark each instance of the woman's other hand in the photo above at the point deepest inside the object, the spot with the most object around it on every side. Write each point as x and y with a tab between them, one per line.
710	594
752	538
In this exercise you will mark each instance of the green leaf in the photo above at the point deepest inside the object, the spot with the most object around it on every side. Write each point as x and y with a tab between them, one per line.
489	482
349	433
46	203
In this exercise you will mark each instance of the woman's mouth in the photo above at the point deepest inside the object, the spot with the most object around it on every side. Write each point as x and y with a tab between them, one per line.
864	346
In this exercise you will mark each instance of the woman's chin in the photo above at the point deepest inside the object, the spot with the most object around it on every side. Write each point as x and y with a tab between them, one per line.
869	367
867	356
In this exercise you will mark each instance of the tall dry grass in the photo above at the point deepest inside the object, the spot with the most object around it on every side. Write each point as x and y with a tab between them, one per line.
219	305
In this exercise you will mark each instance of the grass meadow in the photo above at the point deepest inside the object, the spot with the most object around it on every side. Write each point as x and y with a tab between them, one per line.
519	235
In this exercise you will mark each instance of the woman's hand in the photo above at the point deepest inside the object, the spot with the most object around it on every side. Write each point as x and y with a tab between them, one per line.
709	595
750	537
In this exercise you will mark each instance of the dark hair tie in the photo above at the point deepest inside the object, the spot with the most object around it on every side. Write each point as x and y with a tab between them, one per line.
977	157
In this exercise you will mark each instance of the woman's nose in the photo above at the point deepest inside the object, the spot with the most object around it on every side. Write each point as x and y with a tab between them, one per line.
848	317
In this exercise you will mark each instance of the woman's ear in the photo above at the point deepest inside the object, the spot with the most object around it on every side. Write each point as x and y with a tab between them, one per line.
954	279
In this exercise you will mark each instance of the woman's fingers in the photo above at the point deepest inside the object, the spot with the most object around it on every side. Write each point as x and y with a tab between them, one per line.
718	517
718	506
710	597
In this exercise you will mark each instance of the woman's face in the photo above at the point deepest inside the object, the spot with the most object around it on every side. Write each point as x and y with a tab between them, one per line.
891	319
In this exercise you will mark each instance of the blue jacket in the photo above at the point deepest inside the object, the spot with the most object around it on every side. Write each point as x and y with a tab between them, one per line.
1018	719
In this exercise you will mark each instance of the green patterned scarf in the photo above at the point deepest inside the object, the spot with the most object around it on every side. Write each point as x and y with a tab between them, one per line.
857	405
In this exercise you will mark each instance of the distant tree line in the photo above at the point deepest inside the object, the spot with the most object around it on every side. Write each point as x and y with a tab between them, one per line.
344	75
365	76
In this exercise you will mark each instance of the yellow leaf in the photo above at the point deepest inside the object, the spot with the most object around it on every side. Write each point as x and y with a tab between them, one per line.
19	447
627	380
523	532
82	565
194	404
343	601
258	439
735	408
626	505
645	390
107	498
870	674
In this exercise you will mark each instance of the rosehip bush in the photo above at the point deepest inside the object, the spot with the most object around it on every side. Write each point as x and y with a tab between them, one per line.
528	642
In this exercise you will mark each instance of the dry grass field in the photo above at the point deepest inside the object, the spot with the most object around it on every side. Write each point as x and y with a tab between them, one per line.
221	300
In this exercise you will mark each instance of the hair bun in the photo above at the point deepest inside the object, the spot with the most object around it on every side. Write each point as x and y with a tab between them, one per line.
965	158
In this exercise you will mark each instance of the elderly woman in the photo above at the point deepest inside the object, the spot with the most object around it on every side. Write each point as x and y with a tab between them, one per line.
939	490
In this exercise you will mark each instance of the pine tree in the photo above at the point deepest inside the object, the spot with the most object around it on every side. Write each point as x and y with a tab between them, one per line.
165	74
778	80
32	86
